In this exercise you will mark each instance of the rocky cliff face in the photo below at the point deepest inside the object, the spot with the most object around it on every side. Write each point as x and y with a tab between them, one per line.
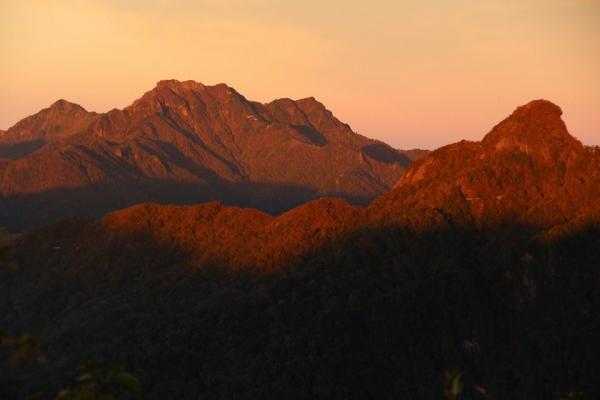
528	175
528	170
184	142
484	257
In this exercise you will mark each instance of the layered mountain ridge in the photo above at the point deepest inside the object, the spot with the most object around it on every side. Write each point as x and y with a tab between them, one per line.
527	174
527	170
185	143
483	257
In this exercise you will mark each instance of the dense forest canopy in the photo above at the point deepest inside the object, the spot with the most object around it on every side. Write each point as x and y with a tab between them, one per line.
483	259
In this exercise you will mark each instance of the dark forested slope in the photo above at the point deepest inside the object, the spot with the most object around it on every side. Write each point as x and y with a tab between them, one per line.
484	257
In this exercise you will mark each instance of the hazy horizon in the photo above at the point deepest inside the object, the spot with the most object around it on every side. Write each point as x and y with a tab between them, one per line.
413	75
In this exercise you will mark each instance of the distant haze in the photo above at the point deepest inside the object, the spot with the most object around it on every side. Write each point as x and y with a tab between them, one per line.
412	73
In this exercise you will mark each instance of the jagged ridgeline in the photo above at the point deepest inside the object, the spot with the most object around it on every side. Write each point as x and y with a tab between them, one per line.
483	258
185	143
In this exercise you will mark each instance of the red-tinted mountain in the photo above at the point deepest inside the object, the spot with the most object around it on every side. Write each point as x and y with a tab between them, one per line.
183	142
330	300
416	154
204	235
61	120
527	171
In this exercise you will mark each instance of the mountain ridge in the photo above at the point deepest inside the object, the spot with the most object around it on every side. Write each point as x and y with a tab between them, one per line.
332	300
527	169
464	186
184	143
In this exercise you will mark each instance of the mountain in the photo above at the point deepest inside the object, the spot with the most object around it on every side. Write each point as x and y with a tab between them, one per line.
185	143
527	171
483	257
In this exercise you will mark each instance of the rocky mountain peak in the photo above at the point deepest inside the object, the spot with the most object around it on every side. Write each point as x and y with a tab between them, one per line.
62	105
534	128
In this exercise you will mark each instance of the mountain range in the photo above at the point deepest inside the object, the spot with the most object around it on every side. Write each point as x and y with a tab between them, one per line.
483	256
186	143
528	172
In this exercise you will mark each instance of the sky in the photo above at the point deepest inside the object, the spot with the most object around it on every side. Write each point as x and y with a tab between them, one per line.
412	73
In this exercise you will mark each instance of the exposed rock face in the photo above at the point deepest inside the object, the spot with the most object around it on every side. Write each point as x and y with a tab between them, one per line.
184	142
59	121
528	170
535	129
505	181
484	255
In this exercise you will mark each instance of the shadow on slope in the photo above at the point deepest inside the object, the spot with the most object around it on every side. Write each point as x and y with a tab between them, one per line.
314	136
378	314
18	150
29	211
384	153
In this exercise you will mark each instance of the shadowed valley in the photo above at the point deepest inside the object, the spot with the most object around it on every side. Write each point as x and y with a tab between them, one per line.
483	257
186	143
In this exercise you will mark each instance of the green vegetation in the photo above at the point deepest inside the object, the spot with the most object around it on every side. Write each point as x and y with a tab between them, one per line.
381	315
94	382
454	389
453	385
24	348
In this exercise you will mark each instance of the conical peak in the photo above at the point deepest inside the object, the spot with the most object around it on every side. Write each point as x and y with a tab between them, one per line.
539	109
535	126
64	105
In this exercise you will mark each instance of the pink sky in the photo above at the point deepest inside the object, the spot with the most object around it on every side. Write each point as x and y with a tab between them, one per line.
411	73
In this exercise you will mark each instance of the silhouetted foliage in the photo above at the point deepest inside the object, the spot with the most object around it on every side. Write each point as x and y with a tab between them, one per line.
380	315
96	383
